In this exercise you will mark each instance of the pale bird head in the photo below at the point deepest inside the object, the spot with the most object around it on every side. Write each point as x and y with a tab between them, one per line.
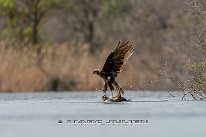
96	71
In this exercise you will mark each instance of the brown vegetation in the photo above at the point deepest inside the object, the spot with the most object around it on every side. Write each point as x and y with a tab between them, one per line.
62	68
75	39
194	82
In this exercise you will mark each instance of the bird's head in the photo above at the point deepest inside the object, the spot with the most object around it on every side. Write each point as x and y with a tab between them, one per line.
96	71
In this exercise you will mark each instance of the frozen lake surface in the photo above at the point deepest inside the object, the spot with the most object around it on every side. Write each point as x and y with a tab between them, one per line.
38	114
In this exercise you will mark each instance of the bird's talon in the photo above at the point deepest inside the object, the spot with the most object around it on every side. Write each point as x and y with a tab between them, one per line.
104	98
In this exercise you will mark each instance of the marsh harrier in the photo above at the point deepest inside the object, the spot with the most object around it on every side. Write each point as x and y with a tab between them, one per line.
114	64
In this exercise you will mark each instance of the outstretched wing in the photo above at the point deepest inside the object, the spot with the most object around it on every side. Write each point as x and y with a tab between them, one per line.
116	60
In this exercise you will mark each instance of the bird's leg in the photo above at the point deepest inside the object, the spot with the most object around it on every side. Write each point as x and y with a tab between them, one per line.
111	87
104	97
105	88
118	88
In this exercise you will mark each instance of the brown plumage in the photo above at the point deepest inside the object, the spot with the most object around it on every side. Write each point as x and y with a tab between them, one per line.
114	64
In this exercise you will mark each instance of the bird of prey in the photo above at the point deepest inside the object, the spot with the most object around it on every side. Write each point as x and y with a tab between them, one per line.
114	64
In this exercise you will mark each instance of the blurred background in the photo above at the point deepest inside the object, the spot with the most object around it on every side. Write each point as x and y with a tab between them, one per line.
54	45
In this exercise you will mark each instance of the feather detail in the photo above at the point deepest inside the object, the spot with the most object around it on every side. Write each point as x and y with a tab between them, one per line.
118	58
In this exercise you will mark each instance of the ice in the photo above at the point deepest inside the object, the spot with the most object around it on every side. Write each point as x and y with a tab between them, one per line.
37	114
